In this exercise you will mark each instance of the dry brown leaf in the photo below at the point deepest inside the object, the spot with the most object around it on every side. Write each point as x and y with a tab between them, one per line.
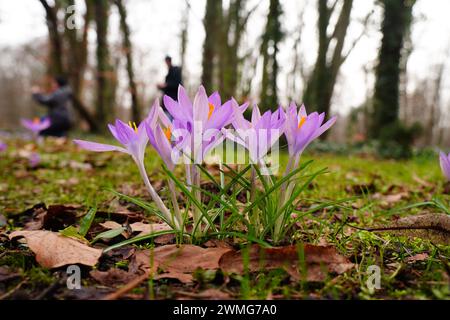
53	250
178	262
433	227
142	228
110	225
418	257
390	199
319	260
112	277
145	228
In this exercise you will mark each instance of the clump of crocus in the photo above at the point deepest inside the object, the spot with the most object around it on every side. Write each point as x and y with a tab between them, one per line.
200	125
445	164
300	130
134	141
260	134
36	125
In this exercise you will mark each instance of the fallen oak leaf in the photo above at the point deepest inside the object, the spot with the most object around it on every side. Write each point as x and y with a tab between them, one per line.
433	227
317	262
53	250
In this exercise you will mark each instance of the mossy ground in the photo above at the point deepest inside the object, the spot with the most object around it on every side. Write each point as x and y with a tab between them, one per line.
66	175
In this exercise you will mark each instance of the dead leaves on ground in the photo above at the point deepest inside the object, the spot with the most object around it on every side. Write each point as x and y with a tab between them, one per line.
177	262
53	250
315	265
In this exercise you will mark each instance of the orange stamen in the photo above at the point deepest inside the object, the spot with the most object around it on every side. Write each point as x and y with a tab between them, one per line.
36	120
301	122
168	133
211	110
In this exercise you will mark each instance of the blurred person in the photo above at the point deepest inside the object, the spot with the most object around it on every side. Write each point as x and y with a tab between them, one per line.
173	80
58	105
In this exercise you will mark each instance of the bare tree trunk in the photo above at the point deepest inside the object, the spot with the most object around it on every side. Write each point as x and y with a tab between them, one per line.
319	89
56	65
127	47
396	22
212	26
104	70
269	51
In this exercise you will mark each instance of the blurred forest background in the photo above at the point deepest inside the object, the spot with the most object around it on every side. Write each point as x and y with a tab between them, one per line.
380	64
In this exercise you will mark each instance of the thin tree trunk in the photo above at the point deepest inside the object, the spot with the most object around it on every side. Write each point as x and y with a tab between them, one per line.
103	64
319	89
212	28
127	47
396	21
269	50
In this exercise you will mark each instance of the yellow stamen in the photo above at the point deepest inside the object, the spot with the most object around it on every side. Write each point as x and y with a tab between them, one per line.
211	110
36	120
168	133
301	122
133	126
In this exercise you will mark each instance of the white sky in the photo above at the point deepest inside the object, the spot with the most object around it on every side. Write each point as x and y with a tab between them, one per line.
156	26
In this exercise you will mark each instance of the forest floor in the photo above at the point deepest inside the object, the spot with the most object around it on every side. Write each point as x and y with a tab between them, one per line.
57	192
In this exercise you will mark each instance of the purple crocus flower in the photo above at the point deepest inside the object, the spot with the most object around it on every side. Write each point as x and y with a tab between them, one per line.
202	120
445	164
36	125
3	146
301	129
160	133
260	134
134	140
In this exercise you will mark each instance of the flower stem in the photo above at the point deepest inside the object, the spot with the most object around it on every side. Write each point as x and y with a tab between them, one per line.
159	203
285	194
196	211
173	194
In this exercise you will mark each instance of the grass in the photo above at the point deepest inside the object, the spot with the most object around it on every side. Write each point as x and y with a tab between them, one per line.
68	176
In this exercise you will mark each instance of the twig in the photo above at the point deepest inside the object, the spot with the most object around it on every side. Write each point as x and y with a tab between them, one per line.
126	288
10	292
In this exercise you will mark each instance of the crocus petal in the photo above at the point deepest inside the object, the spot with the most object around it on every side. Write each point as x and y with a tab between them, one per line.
184	101
164	147
142	135
215	99
113	131
98	147
243	107
445	164
256	114
221	118
124	132
176	110
201	106
325	127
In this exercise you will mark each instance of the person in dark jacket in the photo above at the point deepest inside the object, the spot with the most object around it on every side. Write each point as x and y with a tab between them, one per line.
58	104
173	80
